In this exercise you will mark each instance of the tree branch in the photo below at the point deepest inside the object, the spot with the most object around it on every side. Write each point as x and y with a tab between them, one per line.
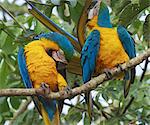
91	85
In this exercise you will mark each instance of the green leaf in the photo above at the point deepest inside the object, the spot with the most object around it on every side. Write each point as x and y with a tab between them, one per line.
74	115
125	18
9	47
118	5
29	117
63	11
3	105
4	70
75	12
135	1
3	37
15	102
48	10
86	119
39	28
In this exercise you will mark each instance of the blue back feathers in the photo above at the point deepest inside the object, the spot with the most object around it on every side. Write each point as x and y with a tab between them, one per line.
89	55
62	42
104	17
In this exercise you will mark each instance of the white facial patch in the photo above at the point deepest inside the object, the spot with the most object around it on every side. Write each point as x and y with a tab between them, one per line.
94	11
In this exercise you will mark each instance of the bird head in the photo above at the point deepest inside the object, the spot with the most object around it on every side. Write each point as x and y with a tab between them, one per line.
99	13
66	50
93	9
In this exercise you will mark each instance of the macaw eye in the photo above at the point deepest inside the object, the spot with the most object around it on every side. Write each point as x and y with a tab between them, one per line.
49	52
36	37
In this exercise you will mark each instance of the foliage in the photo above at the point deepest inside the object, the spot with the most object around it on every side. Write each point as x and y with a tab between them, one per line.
18	30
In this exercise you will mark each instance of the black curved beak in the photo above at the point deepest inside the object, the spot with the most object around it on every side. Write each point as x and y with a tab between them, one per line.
59	56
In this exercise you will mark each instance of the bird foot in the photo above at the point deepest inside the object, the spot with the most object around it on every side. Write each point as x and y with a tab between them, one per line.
45	88
108	73
67	89
120	66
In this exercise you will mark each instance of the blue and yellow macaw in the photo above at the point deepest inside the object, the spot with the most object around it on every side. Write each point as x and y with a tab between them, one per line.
38	63
105	46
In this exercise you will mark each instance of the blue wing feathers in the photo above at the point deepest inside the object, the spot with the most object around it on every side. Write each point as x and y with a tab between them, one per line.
88	61
89	54
24	73
127	41
129	47
23	69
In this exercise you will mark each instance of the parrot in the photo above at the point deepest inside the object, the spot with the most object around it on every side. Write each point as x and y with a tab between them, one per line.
105	47
39	67
74	64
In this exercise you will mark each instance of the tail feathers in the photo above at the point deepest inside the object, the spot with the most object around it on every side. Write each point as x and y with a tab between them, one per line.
129	79
56	119
47	121
45	117
88	99
49	111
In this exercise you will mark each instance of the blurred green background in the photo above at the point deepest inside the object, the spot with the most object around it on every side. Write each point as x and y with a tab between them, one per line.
17	27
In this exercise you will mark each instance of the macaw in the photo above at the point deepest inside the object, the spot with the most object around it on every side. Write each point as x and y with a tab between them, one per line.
38	63
74	65
105	46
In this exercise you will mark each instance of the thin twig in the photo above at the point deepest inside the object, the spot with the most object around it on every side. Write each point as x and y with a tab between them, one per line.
128	105
105	114
77	107
80	108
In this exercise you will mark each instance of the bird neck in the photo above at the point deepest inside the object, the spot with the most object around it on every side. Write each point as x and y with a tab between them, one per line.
92	23
104	17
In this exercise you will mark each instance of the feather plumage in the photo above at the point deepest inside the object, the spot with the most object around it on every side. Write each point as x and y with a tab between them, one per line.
113	49
37	67
129	47
88	62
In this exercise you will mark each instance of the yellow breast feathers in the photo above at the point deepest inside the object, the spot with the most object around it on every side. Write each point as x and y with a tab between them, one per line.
41	67
111	51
